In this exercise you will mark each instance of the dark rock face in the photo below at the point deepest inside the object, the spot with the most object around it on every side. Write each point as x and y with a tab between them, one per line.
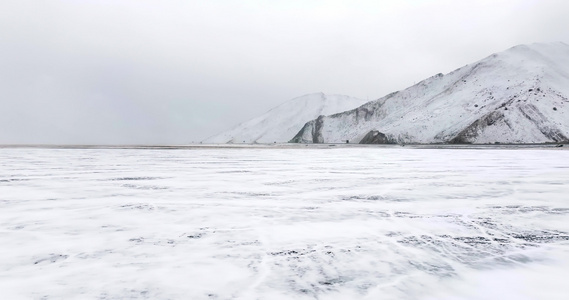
298	138
533	114
317	130
364	114
529	111
376	137
472	131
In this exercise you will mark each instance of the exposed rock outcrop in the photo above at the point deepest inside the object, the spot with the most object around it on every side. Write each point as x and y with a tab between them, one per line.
375	137
470	133
282	122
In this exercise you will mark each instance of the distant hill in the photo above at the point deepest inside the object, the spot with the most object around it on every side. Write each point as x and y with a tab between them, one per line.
281	123
516	96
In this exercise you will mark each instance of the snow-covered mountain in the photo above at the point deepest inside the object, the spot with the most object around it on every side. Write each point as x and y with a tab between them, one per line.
284	121
516	96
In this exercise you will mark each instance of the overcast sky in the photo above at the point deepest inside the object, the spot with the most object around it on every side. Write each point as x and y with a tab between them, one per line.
177	71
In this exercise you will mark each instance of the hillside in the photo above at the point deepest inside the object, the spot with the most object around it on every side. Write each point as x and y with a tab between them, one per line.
516	96
284	121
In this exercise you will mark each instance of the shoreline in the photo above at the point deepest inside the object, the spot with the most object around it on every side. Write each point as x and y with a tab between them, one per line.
559	146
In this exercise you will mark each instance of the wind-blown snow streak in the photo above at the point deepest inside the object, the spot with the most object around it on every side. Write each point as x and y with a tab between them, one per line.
284	121
516	96
349	223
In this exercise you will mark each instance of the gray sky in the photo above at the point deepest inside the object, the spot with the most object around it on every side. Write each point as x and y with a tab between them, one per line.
171	72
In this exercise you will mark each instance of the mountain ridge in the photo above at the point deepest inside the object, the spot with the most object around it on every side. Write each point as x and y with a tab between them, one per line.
280	123
515	96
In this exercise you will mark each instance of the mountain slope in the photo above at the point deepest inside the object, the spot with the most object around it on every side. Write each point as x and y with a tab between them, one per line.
284	121
516	96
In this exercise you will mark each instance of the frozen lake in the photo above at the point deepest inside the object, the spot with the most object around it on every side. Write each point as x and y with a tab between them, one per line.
284	223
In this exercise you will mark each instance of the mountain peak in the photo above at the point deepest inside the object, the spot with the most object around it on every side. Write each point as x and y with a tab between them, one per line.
516	96
282	122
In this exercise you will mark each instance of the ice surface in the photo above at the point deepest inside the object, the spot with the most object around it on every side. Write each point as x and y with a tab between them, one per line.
338	223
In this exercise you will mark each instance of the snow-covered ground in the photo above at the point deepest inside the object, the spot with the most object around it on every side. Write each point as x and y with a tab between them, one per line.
289	223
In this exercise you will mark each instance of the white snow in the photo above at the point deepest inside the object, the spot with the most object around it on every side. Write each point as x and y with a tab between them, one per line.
281	123
284	223
526	81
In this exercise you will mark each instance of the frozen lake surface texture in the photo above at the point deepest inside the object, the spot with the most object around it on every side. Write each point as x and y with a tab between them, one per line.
284	223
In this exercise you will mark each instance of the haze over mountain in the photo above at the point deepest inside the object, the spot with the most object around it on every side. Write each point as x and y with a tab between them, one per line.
284	121
516	96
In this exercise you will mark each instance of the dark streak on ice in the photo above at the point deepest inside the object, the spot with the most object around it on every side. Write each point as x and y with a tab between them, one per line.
52	258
